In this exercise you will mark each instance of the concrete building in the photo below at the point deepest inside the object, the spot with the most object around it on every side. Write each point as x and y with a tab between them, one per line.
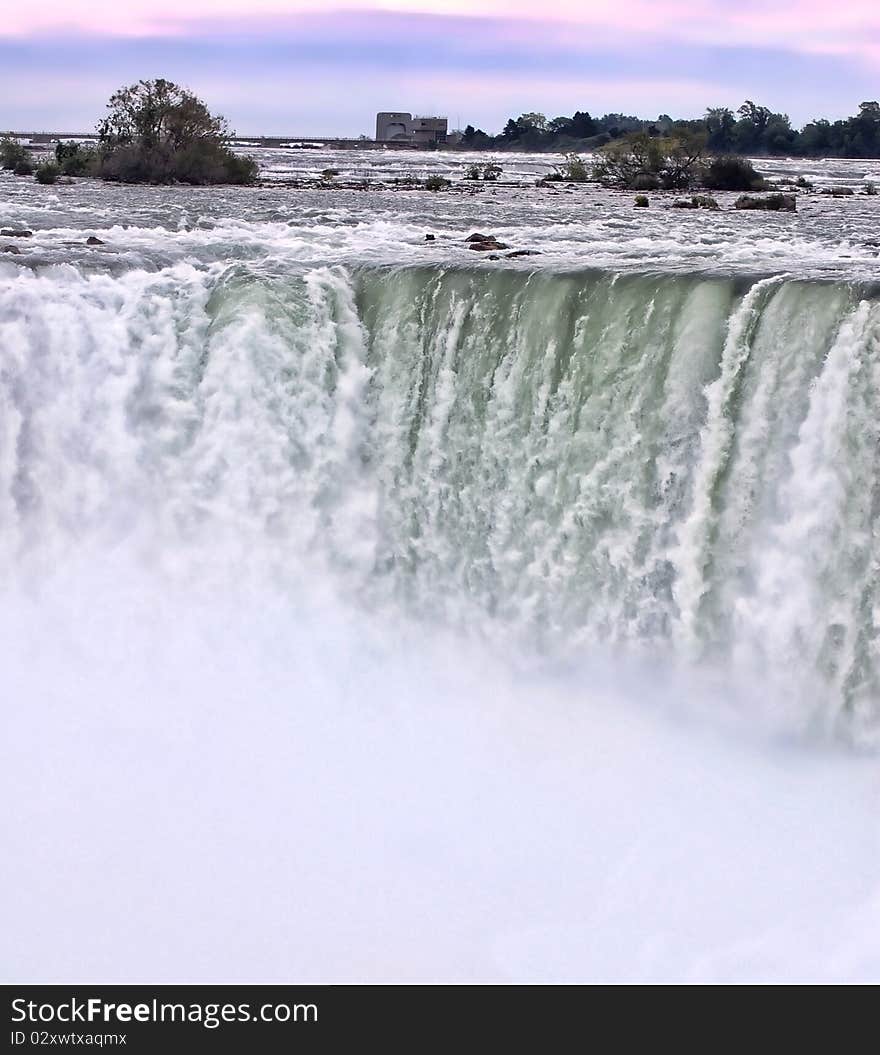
392	127
429	131
397	127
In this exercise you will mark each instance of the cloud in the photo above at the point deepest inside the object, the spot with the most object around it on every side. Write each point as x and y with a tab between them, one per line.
795	25
325	73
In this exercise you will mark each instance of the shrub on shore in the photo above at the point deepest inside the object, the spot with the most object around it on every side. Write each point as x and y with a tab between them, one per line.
436	183
25	167
47	173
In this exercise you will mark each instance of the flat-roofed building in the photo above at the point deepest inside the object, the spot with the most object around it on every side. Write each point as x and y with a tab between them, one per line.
428	130
393	127
396	126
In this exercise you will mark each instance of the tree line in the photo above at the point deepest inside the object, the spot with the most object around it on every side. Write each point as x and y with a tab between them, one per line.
753	129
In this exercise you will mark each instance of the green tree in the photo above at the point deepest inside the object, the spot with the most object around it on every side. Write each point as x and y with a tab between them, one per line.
13	155
158	132
582	125
76	160
573	170
561	126
643	162
532	122
720	123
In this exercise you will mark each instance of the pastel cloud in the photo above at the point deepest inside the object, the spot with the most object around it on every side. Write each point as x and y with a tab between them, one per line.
302	67
808	24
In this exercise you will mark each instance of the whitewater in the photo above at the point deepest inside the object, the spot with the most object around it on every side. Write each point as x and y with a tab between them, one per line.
371	610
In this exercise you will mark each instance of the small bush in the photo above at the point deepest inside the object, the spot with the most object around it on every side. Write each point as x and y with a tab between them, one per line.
772	202
490	171
25	167
13	154
732	173
48	173
641	201
76	160
329	173
573	170
240	169
436	183
803	183
200	163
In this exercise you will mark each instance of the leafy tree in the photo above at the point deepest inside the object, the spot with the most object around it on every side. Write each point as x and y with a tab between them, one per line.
582	125
867	123
476	138
532	123
719	128
573	170
76	160
642	162
778	136
158	132
728	172
48	173
561	126
815	138
13	154
757	116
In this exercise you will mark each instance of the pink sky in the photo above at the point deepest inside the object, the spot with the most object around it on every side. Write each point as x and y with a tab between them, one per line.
325	67
805	25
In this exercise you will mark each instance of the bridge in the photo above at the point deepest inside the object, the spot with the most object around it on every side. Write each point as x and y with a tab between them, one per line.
277	142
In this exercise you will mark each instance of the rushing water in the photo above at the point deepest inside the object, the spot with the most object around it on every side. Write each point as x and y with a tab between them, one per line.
643	463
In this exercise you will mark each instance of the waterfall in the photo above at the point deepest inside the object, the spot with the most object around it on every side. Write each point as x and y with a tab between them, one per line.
662	465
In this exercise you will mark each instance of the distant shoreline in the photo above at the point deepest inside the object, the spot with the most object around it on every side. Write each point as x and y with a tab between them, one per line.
46	140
